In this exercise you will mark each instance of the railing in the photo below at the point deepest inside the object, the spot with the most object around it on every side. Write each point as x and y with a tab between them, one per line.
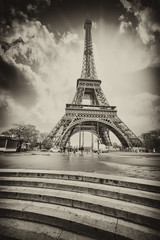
96	107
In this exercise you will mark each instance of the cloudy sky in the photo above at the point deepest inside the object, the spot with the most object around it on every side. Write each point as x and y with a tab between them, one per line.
41	51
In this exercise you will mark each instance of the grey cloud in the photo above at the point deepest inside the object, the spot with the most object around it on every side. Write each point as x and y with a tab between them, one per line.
147	27
127	5
150	83
20	11
6	46
125	26
14	82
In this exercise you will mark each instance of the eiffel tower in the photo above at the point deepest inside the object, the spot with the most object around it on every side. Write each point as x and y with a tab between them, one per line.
97	117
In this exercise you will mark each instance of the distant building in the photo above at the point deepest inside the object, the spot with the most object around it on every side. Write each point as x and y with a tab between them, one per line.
8	144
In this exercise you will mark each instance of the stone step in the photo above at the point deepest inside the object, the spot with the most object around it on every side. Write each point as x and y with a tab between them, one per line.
13	229
79	221
130	195
135	213
131	204
132	183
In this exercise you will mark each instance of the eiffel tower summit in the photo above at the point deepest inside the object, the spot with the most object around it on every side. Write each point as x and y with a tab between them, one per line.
97	116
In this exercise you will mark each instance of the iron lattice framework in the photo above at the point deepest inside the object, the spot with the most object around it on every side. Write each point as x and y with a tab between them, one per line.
97	116
88	67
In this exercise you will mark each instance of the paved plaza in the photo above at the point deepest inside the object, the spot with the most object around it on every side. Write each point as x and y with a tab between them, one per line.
138	165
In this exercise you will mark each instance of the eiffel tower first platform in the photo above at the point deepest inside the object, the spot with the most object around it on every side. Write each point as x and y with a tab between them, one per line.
97	117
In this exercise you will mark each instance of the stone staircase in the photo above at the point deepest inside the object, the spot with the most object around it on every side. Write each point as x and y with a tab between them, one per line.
45	204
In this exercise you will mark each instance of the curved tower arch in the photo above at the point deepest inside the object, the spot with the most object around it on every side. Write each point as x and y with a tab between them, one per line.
103	123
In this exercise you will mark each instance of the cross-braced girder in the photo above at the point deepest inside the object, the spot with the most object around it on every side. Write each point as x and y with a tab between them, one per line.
92	90
104	124
88	67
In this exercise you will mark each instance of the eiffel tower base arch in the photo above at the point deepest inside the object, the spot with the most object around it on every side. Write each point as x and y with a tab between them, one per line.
98	126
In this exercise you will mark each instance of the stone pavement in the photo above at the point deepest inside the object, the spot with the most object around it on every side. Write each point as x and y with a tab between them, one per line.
137	165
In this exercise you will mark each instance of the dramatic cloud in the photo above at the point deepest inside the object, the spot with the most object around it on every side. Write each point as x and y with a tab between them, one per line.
37	73
15	81
39	64
147	25
148	29
125	26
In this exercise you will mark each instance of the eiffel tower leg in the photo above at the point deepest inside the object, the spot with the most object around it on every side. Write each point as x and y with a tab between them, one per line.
92	144
101	97
78	96
63	140
58	130
133	140
79	139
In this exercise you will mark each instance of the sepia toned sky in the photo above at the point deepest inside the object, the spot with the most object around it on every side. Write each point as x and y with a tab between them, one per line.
41	51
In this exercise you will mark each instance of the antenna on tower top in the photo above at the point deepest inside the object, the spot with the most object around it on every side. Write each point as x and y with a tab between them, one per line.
88	67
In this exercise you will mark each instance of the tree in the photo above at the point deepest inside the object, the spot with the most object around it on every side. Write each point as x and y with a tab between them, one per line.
47	142
43	141
24	133
116	145
152	140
